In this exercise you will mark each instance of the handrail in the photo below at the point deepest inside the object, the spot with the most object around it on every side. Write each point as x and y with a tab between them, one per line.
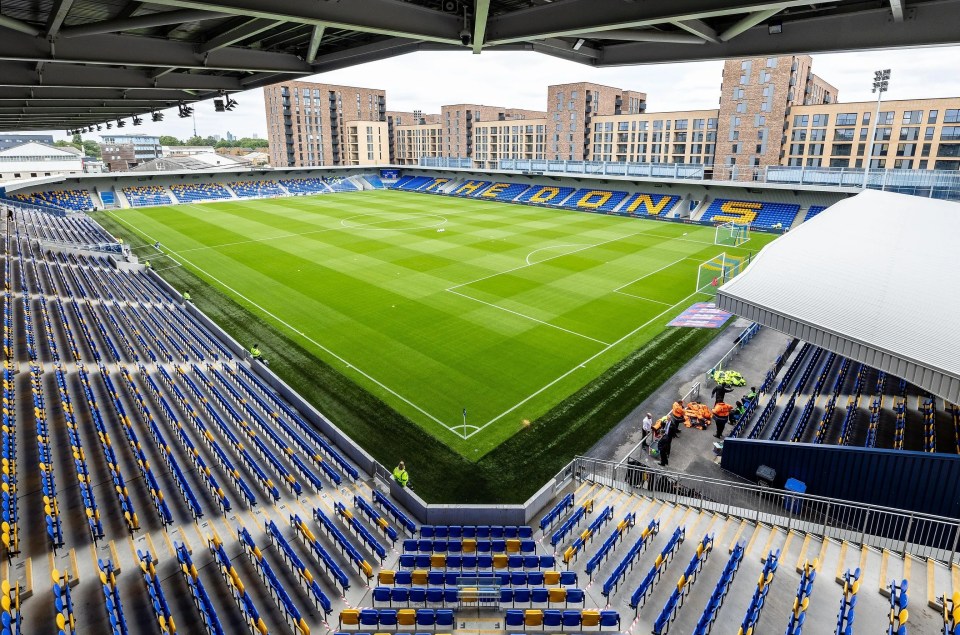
903	531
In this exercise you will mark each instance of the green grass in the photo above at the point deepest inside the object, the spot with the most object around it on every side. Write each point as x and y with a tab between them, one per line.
551	342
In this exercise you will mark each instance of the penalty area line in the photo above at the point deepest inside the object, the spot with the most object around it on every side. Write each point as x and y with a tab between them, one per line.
584	363
301	334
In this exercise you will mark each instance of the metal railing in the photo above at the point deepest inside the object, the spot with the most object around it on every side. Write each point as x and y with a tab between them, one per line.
900	531
742	340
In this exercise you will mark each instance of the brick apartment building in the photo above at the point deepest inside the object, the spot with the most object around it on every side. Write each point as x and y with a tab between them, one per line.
772	111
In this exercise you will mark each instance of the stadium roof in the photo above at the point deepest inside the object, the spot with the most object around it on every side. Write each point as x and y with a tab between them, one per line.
72	63
872	278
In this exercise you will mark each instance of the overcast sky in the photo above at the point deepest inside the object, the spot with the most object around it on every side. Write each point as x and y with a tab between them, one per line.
426	81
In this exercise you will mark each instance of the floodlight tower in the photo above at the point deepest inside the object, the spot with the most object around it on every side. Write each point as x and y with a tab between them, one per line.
881	81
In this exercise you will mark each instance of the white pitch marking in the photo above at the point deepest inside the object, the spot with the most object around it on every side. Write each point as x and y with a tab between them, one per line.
295	330
583	364
553	247
527	317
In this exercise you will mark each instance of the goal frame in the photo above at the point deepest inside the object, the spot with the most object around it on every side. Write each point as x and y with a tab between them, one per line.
717	271
731	234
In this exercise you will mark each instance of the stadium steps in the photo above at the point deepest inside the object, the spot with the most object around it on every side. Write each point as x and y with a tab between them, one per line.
801	216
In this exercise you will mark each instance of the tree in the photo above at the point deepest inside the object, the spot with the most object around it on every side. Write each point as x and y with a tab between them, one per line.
91	149
167	140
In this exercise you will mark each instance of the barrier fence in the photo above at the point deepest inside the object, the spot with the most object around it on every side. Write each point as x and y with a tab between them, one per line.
901	531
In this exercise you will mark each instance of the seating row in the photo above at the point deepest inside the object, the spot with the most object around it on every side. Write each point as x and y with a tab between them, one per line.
898	607
454	578
610	544
755	607
556	512
392	618
111	598
465	594
293	561
802	599
346	547
643	591
481	561
376	518
755	213
285	603
199	192
455	546
558	536
76	200
385	503
360	530
684	585
208	614
709	615
322	556
484	532
158	601
236	585
562	620
147	195
646	536
258	188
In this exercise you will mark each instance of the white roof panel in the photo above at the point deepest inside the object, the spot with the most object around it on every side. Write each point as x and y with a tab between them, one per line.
875	277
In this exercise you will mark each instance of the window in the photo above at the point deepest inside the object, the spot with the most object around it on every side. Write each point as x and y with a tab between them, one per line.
801	121
847	119
886	118
932	116
906	149
843	134
878	163
771	62
735	148
841	149
928	133
951	115
815	149
912	116
903	164
799	135
712	123
950	133
818	135
946	165
744	79
814	163
909	134
925	151
820	121
948	150
759	120
839	163
866	119
742	107
796	148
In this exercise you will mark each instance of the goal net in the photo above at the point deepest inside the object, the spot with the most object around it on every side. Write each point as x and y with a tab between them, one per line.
717	271
732	234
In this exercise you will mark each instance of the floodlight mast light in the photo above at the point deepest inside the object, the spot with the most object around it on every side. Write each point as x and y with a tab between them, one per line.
881	82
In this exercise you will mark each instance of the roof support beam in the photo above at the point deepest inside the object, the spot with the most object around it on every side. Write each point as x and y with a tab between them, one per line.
574	17
929	24
130	50
315	37
78	76
386	17
18	25
249	29
896	9
140	22
480	12
57	16
747	22
367	53
698	28
645	35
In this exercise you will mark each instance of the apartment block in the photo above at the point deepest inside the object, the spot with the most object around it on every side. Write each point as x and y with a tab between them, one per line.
663	137
306	122
920	134
772	111
127	151
571	109
756	95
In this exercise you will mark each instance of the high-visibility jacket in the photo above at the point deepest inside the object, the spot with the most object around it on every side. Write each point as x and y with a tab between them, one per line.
255	352
678	411
400	476
722	409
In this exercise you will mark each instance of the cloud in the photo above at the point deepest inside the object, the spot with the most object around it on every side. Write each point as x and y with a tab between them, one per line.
428	80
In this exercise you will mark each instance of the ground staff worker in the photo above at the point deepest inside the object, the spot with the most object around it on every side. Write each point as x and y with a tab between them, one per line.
400	475
721	416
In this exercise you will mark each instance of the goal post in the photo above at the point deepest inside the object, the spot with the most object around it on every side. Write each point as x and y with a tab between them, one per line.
714	273
731	234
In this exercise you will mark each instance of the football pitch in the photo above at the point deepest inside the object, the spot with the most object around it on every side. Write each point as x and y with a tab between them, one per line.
442	306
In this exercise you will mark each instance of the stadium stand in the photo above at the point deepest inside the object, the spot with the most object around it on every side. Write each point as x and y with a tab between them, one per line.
106	350
545	195
199	192
75	200
503	191
256	189
754	213
641	204
340	184
146	195
595	200
305	186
